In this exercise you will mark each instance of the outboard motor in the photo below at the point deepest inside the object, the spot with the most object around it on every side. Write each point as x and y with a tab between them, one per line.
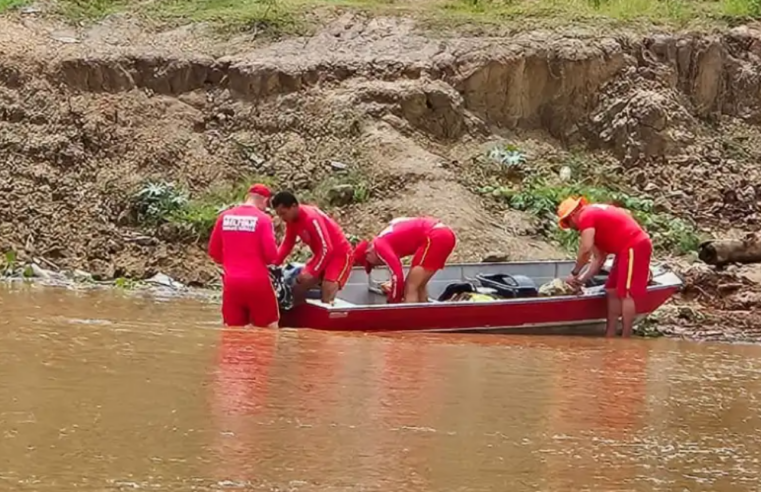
282	282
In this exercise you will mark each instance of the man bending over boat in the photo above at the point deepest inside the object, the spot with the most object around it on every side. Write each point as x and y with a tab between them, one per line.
606	229
243	242
430	241
331	262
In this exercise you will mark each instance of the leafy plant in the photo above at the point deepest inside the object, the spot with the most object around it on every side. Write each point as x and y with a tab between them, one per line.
536	196
8	265
508	155
155	202
125	283
160	203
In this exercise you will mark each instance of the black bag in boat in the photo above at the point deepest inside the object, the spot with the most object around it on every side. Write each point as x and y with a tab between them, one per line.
509	286
455	288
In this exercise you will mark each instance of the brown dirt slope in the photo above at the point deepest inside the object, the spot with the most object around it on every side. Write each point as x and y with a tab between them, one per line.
86	115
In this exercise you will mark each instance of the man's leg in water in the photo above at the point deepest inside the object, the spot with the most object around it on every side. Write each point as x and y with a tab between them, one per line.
263	307
613	298
417	279
234	307
635	284
614	312
628	313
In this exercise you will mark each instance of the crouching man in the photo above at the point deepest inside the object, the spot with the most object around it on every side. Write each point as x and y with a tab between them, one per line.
430	241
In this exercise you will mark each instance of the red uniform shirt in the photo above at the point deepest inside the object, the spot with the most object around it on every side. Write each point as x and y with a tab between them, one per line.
402	238
615	229
318	231
243	242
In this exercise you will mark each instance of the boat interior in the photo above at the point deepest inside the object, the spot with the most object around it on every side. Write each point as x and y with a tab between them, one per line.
363	290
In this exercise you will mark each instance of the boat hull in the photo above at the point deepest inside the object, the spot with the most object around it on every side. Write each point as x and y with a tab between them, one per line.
582	314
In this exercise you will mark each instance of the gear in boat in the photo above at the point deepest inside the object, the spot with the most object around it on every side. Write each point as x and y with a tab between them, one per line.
486	287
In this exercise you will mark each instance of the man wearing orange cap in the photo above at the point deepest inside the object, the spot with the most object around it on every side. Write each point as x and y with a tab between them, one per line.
606	229
243	242
430	241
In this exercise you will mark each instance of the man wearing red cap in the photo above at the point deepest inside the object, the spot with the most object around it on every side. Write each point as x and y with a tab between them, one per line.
243	242
606	229
431	243
331	262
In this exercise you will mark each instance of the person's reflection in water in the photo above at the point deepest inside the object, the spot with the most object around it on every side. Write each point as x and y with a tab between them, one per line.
411	374
239	394
602	399
622	392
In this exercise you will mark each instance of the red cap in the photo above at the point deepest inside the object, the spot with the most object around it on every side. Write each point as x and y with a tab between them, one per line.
260	189
360	253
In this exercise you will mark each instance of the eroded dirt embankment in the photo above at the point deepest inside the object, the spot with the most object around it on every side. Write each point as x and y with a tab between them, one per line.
83	123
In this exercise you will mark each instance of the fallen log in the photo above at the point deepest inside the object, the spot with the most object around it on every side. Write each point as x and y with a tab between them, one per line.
723	252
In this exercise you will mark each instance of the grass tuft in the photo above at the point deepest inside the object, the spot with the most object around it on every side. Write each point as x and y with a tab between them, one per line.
282	17
8	5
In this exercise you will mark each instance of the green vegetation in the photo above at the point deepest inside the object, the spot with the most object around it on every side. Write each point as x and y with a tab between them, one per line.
282	17
340	189
540	191
676	12
8	263
11	4
158	203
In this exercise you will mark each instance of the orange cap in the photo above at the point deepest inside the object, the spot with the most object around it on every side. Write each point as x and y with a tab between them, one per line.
568	207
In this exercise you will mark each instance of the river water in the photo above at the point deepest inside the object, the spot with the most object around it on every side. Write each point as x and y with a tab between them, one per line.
107	391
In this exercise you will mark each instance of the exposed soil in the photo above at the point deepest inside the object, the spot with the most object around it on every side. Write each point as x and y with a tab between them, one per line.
86	115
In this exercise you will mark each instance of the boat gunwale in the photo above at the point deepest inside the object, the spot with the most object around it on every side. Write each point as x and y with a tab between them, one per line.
675	284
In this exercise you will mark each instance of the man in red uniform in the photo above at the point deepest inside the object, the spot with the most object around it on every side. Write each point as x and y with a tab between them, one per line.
431	243
243	242
331	262
606	229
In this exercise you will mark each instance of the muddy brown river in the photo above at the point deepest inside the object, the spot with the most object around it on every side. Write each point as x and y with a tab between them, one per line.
109	391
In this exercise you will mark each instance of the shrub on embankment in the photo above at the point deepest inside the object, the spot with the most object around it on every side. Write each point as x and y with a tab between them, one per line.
171	211
506	175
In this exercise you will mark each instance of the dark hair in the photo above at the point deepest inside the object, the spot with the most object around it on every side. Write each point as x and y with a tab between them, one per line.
285	199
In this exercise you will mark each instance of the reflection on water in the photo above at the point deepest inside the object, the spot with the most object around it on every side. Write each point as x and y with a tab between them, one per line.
102	391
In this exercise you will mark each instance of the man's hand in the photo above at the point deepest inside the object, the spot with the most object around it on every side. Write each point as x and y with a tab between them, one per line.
575	282
572	280
385	287
304	277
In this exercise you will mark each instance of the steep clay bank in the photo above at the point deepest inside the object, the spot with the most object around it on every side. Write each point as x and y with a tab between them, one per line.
83	123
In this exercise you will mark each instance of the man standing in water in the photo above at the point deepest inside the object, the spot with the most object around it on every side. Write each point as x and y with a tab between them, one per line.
243	242
331	262
606	229
430	241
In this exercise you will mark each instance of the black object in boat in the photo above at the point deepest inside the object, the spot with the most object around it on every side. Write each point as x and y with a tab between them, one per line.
509	286
456	288
596	280
282	283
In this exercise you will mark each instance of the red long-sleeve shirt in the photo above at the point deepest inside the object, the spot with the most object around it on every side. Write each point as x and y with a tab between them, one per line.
318	231
243	242
401	238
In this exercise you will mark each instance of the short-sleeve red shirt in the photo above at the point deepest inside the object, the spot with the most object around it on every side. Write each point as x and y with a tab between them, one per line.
615	229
